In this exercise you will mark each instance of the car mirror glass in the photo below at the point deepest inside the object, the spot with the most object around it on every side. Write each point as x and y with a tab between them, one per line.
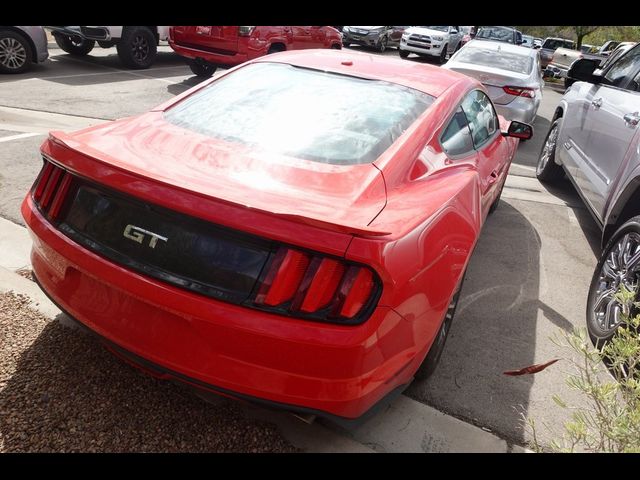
520	130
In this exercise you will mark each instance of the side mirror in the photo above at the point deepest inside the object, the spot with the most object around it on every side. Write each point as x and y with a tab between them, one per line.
520	130
584	70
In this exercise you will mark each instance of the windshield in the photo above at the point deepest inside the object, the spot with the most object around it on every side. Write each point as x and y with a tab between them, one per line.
492	58
555	43
432	27
310	114
501	34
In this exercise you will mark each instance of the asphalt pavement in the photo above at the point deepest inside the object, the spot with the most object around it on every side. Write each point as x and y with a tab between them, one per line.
527	280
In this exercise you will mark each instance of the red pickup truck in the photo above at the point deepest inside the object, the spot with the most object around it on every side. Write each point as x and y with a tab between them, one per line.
209	47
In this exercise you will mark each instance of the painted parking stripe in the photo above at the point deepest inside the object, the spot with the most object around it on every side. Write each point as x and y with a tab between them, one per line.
20	135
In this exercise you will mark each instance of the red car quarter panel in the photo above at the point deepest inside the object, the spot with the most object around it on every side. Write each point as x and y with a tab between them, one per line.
294	231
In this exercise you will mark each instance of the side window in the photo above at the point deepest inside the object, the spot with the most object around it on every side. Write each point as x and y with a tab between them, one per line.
481	116
634	85
456	139
622	70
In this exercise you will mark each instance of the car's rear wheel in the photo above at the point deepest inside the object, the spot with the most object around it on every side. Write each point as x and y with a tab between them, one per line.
432	359
547	170
137	48
345	44
15	52
403	53
619	265
76	46
382	44
200	68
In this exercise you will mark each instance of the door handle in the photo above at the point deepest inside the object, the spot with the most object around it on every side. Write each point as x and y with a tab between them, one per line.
632	119
597	103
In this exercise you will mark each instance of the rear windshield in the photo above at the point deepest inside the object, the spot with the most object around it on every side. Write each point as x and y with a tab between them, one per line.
496	33
304	113
492	58
442	28
553	44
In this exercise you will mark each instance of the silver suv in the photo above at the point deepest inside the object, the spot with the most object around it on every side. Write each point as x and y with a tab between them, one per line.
595	138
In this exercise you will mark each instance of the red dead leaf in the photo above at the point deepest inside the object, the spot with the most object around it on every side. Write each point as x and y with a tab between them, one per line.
531	368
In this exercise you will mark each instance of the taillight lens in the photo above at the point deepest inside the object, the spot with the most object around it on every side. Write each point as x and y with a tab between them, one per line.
316	287
520	91
245	31
51	188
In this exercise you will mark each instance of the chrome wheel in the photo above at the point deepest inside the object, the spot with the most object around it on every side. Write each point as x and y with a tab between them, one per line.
13	55
548	149
621	267
140	48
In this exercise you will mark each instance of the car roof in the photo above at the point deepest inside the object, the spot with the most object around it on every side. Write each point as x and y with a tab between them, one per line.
502	47
426	78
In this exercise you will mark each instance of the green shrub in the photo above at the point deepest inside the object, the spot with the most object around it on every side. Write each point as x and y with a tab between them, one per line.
610	380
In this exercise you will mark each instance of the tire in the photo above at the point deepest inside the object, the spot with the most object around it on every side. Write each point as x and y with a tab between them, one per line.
430	362
336	46
137	48
443	55
16	54
382	44
345	45
403	53
201	69
106	44
568	82
547	170
603	310
76	46
275	49
496	202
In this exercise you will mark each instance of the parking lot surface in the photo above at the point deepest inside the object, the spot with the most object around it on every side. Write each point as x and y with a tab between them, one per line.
527	280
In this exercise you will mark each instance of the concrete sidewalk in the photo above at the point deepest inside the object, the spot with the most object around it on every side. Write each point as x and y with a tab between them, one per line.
405	426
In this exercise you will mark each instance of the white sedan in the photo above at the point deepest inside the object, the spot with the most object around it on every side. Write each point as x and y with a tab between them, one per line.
511	73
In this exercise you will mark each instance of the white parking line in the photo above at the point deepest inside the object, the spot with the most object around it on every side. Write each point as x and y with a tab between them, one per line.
75	75
20	135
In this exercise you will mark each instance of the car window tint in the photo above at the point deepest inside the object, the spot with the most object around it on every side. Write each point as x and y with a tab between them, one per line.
456	139
622	70
482	119
489	57
496	33
304	113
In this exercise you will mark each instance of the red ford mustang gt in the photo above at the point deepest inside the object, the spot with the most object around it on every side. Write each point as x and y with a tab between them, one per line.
293	232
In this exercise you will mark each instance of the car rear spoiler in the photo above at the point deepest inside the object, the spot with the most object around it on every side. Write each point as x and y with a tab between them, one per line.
68	142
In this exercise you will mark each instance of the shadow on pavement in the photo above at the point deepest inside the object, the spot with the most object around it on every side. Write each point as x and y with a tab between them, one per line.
494	330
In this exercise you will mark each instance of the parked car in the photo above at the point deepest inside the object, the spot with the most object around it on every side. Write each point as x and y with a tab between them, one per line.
594	138
21	47
511	74
537	42
550	45
466	33
431	40
294	231
608	47
136	45
208	47
527	41
378	37
500	34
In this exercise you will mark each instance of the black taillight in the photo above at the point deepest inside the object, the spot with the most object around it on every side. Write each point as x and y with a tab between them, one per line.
313	286
51	188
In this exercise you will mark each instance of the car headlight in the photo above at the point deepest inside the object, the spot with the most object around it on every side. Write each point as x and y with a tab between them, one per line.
438	38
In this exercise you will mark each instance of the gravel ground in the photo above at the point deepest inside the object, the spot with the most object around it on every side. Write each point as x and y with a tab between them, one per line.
60	391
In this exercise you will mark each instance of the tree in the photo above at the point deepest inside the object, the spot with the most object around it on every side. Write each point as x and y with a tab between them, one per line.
582	31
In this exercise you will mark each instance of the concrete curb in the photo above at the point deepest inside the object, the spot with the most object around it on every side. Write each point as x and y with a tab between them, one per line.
405	426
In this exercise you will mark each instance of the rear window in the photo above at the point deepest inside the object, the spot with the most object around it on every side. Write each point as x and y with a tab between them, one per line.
553	44
304	113
496	33
492	58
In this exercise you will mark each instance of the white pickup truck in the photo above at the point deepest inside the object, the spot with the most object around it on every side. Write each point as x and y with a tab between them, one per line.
137	45
563	58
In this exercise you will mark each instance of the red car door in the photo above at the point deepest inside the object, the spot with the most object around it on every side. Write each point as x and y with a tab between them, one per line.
301	36
489	143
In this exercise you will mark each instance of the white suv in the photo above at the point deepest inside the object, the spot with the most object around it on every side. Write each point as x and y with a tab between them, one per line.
435	41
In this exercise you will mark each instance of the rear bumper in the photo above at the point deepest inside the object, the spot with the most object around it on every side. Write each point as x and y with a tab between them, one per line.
334	370
556	71
520	109
213	58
